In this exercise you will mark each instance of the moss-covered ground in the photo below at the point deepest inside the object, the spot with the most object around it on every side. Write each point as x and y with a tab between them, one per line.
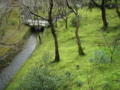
92	76
13	34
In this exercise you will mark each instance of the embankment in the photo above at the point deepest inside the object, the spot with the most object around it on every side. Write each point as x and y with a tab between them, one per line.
9	55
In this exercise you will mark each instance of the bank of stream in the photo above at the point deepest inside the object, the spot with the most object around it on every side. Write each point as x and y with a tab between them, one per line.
18	60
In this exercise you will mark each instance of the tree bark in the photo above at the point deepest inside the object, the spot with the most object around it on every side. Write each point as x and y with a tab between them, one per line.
66	22
56	22
117	10
39	39
80	50
102	7
105	24
57	56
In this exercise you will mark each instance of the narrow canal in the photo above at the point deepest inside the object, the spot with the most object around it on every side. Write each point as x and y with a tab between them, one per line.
18	60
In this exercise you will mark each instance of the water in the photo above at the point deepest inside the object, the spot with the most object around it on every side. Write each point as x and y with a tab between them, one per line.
18	60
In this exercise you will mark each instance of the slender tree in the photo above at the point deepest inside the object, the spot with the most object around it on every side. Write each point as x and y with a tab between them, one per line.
117	8
62	10
50	20
103	11
53	31
75	11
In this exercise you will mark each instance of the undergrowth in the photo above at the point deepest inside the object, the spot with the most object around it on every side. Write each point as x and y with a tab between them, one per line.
83	74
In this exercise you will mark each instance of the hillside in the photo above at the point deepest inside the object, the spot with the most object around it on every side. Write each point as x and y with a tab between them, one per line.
12	34
74	72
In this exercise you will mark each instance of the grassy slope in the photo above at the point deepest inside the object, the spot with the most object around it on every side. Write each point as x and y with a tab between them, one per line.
12	34
91	38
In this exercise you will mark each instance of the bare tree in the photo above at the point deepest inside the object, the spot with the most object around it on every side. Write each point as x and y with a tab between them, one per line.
117	8
50	20
103	11
62	10
75	11
113	48
5	11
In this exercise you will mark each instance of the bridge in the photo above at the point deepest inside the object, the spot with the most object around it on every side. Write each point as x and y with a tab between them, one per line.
36	23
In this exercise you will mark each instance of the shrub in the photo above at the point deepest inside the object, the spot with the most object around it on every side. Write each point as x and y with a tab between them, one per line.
40	79
13	23
46	58
74	19
99	58
79	83
43	78
106	86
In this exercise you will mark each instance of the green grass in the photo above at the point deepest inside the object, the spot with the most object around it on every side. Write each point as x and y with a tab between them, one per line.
92	76
12	34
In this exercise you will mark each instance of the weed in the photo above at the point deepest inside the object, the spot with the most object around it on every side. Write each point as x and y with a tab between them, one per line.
68	74
46	58
79	83
99	58
106	86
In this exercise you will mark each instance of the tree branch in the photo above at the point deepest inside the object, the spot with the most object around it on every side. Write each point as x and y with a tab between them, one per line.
95	3
105	1
71	7
50	12
35	13
117	9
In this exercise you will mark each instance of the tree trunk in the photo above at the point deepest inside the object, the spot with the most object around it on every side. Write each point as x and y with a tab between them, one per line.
57	56
102	7
117	10
80	50
39	39
105	24
50	20
66	22
56	22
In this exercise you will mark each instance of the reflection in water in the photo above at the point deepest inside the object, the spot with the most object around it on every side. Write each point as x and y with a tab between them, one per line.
16	63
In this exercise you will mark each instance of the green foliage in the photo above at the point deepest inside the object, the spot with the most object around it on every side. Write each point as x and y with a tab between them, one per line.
67	79
75	7
40	78
43	78
99	58
47	25
85	3
106	86
68	74
74	19
79	83
46	58
13	23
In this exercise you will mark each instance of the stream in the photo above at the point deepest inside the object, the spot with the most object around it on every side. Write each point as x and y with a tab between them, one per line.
17	61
